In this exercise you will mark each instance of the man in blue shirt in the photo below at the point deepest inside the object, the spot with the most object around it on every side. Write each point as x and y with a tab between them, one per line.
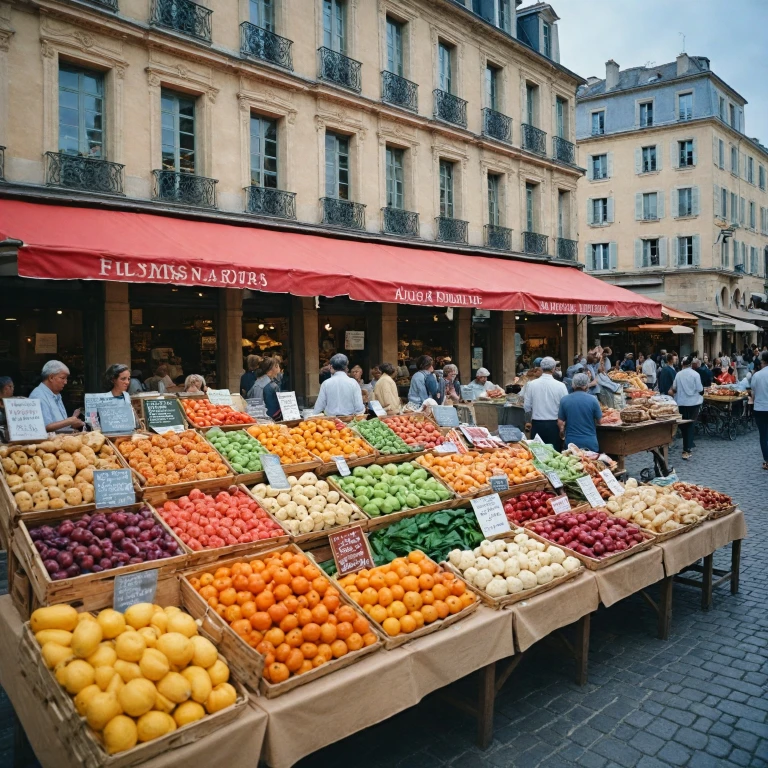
579	414
667	374
54	378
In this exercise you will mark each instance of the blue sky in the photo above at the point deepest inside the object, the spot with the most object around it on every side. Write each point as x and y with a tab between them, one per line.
730	33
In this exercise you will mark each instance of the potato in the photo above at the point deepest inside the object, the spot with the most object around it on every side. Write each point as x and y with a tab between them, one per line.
87	451
65	482
88	493
19	458
54	492
71	444
80	461
50	461
47	446
49	482
39	496
36	463
56	504
9	466
15	483
66	468
85	475
33	487
73	497
96	440
43	473
41	506
24	501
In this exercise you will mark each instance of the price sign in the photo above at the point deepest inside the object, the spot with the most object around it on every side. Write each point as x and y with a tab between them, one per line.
354	340
499	483
351	551
116	419
542	454
448	447
255	408
288	406
25	419
614	486
587	485
163	415
113	487
275	473
538	439
133	588
46	343
445	415
555	480
560	504
219	396
341	465
375	406
489	512
510	434
92	402
467	393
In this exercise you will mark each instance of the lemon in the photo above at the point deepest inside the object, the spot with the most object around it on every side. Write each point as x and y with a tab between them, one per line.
103	656
163	705
53	654
177	648
150	635
60	636
139	615
120	733
200	681
188	712
79	674
182	623
86	638
83	698
112	623
137	697
101	709
130	646
159	620
221	697
154	664
104	675
175	687
205	654
218	672
127	670
153	725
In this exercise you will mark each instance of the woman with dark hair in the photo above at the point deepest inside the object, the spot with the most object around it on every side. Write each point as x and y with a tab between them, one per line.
117	379
385	390
265	386
249	377
423	382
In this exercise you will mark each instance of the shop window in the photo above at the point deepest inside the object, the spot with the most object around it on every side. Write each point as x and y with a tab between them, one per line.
266	333
263	152
423	331
81	111
178	132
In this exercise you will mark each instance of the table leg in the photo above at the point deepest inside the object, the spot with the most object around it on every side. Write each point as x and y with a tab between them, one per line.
486	698
706	581
735	565
582	648
665	607
22	751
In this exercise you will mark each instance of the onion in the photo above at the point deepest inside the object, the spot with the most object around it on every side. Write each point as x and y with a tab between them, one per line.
132	531
96	569
117	536
106	563
146	525
65	528
64	559
98	530
109	527
73	570
86	562
59	575
51	566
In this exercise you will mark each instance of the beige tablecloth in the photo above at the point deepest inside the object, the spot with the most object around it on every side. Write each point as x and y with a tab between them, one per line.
630	575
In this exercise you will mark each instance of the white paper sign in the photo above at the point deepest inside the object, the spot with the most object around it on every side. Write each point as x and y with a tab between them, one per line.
275	472
614	486
538	439
448	447
560	504
554	478
341	465
219	396
354	340
177	428
288	406
25	419
490	515
375	406
587	485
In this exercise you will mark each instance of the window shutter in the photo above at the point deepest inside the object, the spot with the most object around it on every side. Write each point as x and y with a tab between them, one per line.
675	201
613	256
721	153
637	114
638	160
638	254
610	211
696	254
695	201
742	210
590	167
663	251
743	165
678	259
610	165
717	201
724	193
715	149
638	206
674	156
660	204
589	261
695	151
659	153
590	212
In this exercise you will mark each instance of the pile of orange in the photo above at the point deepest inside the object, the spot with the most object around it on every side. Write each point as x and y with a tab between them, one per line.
278	440
170	458
472	470
285	608
404	595
326	438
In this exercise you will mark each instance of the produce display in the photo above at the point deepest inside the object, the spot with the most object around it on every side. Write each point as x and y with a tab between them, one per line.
278	440
610	416
723	392
472	470
56	473
501	568
286	609
203	413
232	517
591	533
310	505
712	501
567	468
170	458
656	509
133	676
414	432
383	439
380	490
632	379
592	467
241	450
407	593
528	506
326	438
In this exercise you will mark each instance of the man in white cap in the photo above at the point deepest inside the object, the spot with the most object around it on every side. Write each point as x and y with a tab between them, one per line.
542	403
480	384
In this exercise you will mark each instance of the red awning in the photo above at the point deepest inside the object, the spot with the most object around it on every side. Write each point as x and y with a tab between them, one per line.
63	242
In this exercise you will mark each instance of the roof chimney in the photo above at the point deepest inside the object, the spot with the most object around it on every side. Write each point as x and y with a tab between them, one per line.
611	75
683	64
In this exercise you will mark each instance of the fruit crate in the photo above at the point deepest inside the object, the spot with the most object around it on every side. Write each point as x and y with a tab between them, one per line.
223	427
257	476
83	744
246	662
299	467
417	418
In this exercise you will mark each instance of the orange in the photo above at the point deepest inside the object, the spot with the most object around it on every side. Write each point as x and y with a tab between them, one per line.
240	582
289	622
212	601
300	585
253	639
414	570
291	603
328	633
264	600
320	584
282	651
457	587
339	648
320	614
222	572
426	581
401	570
427	566
295	660
410	584
416	556
206	580
378	613
308	650
241	627
311	632
261	620
222	583
440	591
355	642
311	572
397	592
208	591
369	597
346	613
294	638
325	651
318	661
361	582
407	624
418	617
369	638
277	612
233	613
412	601
282	592
344	630
385	597
429	612
277	672
275	636
265	647
453	603
304	616
391	578
248	609
306	666
282	576
427	597
331	601
442	608
377	581
467	599
398	561
360	625
295	569
228	596
391	626
397	609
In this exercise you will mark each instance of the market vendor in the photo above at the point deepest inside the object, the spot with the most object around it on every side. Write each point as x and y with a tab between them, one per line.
339	395
578	416
117	380
54	378
385	391
542	400
423	382
448	387
482	387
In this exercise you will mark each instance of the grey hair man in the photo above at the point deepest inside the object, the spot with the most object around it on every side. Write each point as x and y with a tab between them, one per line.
54	377
578	415
541	402
340	395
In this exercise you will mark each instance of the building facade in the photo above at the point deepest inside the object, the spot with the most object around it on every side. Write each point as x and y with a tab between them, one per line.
674	203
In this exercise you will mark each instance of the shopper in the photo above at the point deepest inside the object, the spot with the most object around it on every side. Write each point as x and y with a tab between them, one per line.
578	416
54	378
249	377
6	390
639	362
667	374
194	384
541	404
161	381
628	363
339	395
265	387
760	394
687	389
385	391
606	359
725	376
704	372
593	368
648	370
136	385
481	385
423	382
448	388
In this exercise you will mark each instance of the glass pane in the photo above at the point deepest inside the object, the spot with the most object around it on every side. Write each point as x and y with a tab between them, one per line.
68	99
270	164
68	78
168	138
270	148
186	107
169	161
167	102
186	141
255	175
270	129
67	117
68	144
93	83
186	125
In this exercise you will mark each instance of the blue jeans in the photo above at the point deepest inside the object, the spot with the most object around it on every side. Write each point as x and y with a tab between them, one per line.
761	417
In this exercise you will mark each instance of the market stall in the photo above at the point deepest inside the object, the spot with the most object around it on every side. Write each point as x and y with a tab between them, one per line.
622	440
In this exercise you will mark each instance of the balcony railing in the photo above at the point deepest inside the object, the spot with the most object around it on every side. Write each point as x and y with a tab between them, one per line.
563	150
451	230
186	188
534	243
396	221
266	45
2	163
343	213
110	5
450	108
498	237
86	173
264	201
183	16
339	69
399	91
497	126
568	250
534	139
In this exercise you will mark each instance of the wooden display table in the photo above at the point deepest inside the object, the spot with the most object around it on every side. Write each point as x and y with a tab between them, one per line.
622	440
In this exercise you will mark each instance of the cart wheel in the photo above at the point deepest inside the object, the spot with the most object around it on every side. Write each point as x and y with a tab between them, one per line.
730	430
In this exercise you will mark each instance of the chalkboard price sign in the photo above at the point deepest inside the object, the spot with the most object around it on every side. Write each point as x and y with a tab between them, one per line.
163	415
275	472
351	551
510	434
445	415
113	488
499	483
116	419
133	588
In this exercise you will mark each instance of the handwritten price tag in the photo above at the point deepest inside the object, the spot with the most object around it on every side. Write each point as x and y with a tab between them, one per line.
288	406
448	447
341	465
490	515
351	551
375	406
113	488
560	504
275	472
587	485
538	439
25	419
445	415
510	434
555	480
499	483
219	396
133	588
614	486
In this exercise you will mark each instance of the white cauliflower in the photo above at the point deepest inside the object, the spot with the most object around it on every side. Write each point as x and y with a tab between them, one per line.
454	557
496	565
487	548
483	578
514	585
469	574
497	587
544	575
557	570
481	562
499	545
467	560
511	567
528	579
571	563
556	554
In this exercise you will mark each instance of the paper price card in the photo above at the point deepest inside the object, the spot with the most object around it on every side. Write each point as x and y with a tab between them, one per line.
351	551
25	419
448	447
555	480
219	396
541	454
275	473
560	504
375	406
288	406
341	465
445	415
538	439
133	588
614	486
489	512
499	483
587	485
113	488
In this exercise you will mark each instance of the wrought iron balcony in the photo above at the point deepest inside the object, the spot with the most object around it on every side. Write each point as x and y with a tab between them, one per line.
110	5
343	213
186	188
2	163
451	230
497	126
563	150
568	250
396	221
534	139
263	44
84	173
498	237
534	243
450	108
183	16
265	201
399	91
339	69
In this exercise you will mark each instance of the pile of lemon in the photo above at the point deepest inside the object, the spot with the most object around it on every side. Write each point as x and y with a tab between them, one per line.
134	676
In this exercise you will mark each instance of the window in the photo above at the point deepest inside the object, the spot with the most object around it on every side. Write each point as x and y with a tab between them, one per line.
685	151
651	253
601	256
530	207
262	14
600	210
599	166
732	116
724	204
598	123
505	15
394	47
492	87
734	208
546	32
685	251
446	189
561	118
646	114
444	65
723	115
753	260
335	25
751	170
685	106
761	177
531	103
752	215
81	111
650	210
263	152
395	185
762	220
721	153
337	166
742	211
734	161
724	258
649	159
737	262
563	213
685	202
177	115
494	213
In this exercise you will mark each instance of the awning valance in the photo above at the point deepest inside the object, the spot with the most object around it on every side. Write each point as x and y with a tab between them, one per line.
61	242
747	317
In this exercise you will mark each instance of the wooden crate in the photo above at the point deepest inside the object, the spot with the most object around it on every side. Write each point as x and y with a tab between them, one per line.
240	477
716	514
223	427
666	535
